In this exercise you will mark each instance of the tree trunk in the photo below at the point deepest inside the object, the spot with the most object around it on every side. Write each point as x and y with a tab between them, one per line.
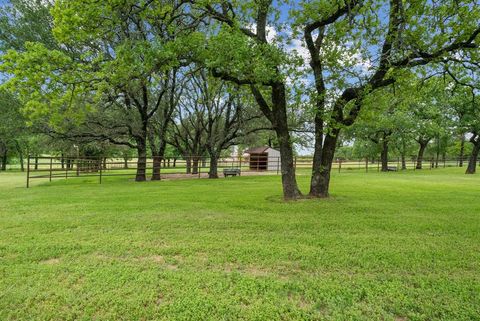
125	162
404	163
462	151
421	151
384	155
213	171
188	162
36	162
322	166
157	164
472	162
280	123
195	163
4	159
437	156
141	161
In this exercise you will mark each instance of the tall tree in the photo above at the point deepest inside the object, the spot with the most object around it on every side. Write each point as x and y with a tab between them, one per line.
413	34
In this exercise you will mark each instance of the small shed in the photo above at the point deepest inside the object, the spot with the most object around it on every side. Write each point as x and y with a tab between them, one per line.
264	158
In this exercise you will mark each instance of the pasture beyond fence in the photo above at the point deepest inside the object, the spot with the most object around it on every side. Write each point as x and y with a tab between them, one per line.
49	167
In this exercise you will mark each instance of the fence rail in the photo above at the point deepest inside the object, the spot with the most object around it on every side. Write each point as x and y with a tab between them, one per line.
48	167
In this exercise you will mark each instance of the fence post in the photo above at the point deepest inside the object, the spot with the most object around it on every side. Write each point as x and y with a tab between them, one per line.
51	163
28	171
66	168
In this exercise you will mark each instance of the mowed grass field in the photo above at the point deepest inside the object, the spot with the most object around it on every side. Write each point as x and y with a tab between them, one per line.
386	246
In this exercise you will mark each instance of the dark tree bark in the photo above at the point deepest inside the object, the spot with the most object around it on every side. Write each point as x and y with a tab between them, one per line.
213	171
188	164
423	142
384	156
4	157
322	167
125	162
195	164
141	161
384	153
278	117
404	162
473	160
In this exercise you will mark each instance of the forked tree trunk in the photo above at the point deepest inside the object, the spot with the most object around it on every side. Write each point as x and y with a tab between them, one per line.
472	162
322	166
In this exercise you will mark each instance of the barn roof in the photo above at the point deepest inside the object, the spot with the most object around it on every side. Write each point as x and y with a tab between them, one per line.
257	150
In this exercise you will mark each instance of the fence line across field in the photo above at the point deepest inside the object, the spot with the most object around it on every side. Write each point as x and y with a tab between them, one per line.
50	167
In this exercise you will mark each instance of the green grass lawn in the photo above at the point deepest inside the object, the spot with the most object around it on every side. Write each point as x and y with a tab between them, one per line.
393	246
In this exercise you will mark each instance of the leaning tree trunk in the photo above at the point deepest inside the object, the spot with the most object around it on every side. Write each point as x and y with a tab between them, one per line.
472	162
280	124
322	166
384	155
421	151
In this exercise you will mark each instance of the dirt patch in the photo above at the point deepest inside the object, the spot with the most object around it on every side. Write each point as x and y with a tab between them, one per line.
52	261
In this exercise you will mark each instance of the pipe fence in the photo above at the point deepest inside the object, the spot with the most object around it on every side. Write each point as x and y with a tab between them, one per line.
50	167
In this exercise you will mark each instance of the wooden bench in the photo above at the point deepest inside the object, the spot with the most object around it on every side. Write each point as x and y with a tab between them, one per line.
392	168
231	172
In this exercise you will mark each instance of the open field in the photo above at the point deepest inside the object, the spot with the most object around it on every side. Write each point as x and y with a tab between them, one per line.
386	246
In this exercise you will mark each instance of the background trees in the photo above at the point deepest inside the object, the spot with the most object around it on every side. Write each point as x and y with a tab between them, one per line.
201	76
